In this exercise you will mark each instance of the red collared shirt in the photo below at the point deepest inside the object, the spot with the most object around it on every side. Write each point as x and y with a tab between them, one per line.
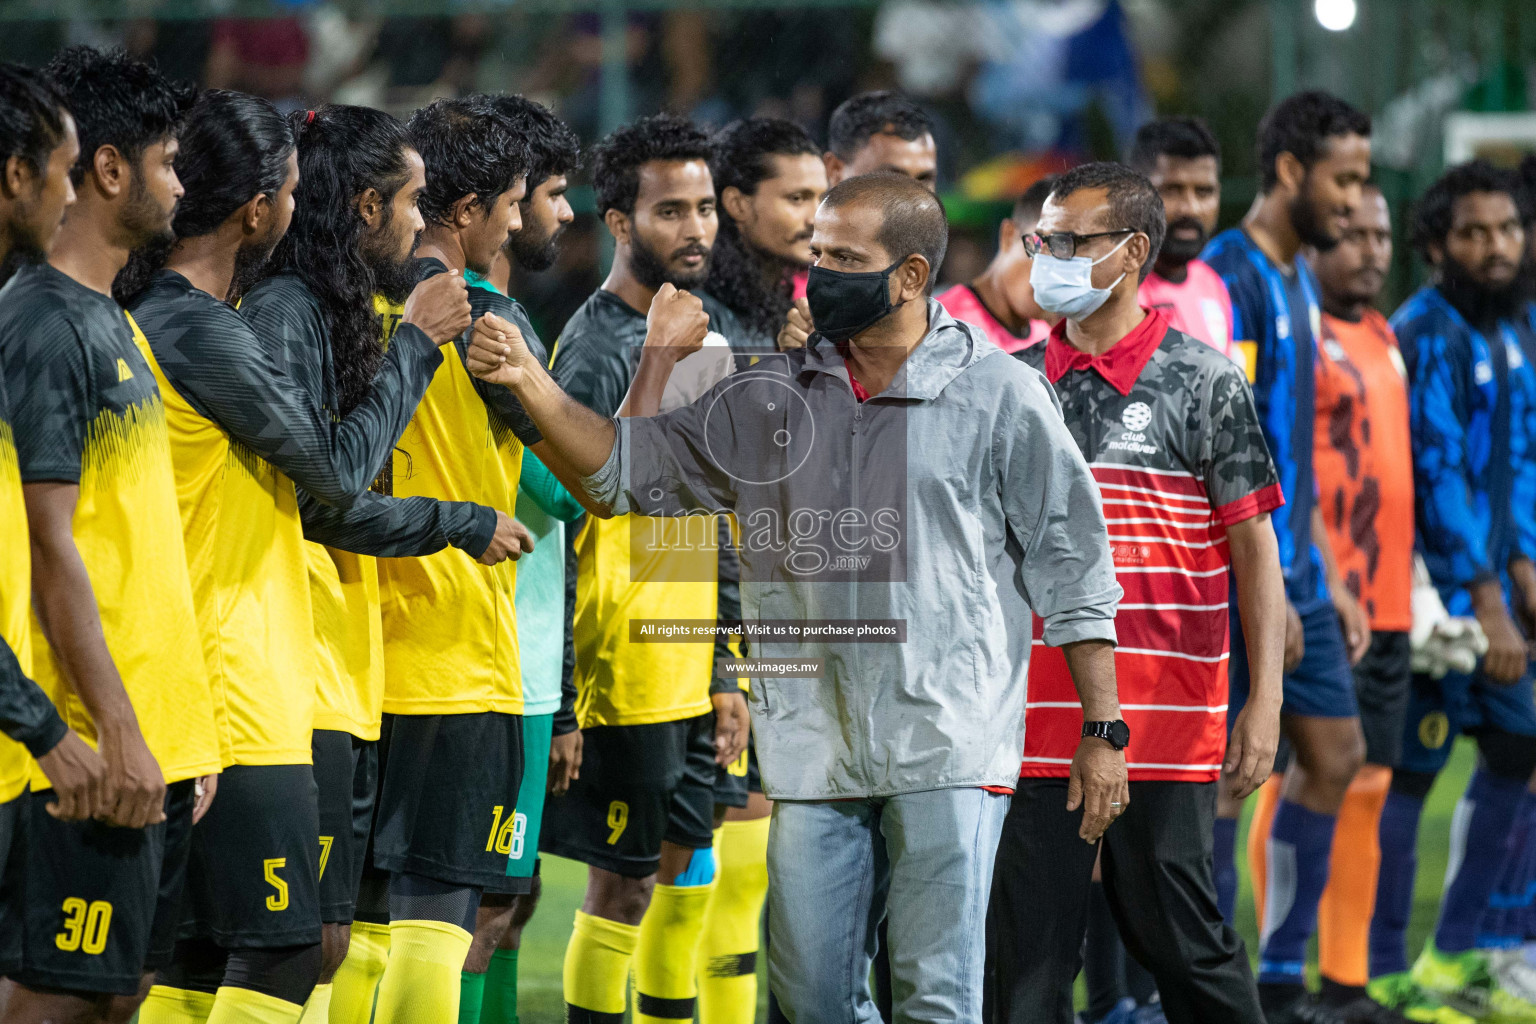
1120	366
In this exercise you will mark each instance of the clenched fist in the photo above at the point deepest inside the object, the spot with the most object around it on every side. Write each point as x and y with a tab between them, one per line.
440	307
79	778
798	328
511	540
135	786
677	322
497	353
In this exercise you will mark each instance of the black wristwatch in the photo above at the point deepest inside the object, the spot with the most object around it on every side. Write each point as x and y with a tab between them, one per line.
1117	734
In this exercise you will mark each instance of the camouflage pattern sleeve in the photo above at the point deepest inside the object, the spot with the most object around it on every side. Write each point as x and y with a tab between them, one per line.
49	378
388	527
1240	476
267	388
502	403
596	375
26	714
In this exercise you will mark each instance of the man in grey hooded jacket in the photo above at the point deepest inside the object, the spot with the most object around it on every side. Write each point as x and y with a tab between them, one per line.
906	495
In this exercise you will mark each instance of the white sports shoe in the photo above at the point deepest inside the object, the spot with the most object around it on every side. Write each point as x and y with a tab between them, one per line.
1513	973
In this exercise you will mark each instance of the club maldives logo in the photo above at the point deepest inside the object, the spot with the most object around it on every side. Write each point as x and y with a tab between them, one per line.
1137	416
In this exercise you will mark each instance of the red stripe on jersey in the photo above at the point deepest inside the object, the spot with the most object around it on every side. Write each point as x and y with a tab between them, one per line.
1147	585
1179	734
1162	501
1175	483
1185	682
1167	589
1171	558
1199	737
1197	634
1172	588
1266	500
1132	551
1140	518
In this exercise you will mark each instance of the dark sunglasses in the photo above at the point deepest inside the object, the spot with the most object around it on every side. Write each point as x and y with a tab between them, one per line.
1063	244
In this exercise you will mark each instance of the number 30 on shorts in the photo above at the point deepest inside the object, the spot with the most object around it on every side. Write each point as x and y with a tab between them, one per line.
85	926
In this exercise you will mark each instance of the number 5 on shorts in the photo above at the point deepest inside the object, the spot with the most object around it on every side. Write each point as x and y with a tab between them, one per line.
618	817
269	867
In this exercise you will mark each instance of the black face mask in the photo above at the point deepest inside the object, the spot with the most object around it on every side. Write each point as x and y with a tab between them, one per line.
843	304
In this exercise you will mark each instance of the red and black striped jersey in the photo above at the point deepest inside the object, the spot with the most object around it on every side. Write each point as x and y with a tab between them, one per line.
1169	429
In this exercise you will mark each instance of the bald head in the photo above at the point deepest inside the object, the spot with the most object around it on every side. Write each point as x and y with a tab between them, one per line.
899	215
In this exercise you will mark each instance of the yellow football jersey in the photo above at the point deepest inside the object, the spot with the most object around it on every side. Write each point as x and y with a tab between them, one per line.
344	588
86	409
450	632
634	568
245	553
349	638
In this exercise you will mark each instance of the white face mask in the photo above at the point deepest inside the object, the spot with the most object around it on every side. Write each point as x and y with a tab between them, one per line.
1065	287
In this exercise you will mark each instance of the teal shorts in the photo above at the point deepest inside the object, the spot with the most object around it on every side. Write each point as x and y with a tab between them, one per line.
537	731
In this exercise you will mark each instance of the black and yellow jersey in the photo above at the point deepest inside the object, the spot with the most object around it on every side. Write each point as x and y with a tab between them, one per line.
85	409
331	458
634	567
26	714
450	627
241	431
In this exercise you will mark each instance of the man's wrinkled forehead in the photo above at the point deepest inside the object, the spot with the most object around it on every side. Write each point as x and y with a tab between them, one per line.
853	226
1081	212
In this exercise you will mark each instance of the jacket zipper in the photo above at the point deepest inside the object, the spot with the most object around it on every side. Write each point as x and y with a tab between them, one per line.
867	708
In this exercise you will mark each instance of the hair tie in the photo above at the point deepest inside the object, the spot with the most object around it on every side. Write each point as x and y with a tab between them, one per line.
309	118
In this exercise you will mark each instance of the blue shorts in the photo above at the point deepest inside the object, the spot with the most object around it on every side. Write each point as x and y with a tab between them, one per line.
1322	686
1441	709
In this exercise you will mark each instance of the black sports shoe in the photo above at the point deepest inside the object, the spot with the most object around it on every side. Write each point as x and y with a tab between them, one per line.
1366	1010
1277	1001
1306	1010
1356	1004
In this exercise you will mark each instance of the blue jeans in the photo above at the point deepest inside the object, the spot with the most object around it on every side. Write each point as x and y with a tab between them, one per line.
836	868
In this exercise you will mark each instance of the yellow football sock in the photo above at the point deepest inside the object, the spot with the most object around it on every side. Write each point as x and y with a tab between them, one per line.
421	982
167	1005
597	960
318	1009
242	1006
357	980
733	924
667	953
